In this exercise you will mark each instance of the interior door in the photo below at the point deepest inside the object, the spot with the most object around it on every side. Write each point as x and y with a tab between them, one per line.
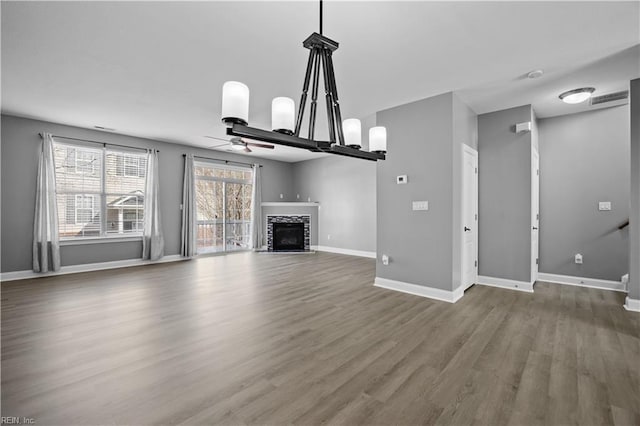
469	216
535	213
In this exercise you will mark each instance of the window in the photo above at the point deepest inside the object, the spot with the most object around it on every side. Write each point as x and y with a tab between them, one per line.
84	162
100	191
84	209
132	166
223	207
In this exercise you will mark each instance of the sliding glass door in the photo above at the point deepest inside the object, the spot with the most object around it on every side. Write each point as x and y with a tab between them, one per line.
223	207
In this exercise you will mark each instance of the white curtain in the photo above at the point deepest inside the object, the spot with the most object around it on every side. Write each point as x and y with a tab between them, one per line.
256	209
152	239
46	247
188	237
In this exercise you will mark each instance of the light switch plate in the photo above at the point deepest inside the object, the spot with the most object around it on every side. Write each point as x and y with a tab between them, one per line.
604	205
401	180
420	205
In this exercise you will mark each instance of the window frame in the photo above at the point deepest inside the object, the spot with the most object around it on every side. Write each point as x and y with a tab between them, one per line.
99	203
137	166
76	208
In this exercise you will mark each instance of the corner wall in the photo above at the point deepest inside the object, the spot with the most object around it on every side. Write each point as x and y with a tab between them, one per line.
346	190
504	181
418	243
465	131
425	143
584	159
20	151
634	216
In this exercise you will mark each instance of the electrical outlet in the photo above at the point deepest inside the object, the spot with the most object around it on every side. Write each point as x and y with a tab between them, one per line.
604	206
385	259
420	205
281	196
328	236
298	196
578	259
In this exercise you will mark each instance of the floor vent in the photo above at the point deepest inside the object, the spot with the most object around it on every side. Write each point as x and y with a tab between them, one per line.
611	97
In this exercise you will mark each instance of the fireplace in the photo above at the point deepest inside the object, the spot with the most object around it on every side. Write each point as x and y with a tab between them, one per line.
288	232
288	236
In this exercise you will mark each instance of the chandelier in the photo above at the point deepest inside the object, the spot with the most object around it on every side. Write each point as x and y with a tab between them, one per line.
345	137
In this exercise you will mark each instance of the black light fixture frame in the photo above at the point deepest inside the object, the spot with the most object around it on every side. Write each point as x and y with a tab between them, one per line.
321	49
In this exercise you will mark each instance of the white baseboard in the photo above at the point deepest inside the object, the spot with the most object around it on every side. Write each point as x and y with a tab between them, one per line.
87	267
369	254
504	283
582	282
632	304
419	290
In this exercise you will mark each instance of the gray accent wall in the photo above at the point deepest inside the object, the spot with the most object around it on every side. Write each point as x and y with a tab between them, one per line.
346	190
423	143
634	218
504	185
19	153
584	159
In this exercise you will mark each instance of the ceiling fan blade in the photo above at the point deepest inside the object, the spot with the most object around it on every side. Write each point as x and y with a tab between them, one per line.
216	138
260	145
218	146
246	149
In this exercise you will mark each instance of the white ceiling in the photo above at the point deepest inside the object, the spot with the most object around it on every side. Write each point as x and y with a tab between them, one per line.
156	69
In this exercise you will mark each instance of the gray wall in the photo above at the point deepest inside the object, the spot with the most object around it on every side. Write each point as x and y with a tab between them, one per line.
418	243
584	159
504	181
20	150
634	218
346	190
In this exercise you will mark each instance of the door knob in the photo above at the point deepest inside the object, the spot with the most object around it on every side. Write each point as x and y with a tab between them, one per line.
535	228
466	229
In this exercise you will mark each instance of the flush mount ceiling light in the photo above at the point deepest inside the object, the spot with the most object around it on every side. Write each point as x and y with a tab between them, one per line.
345	138
577	95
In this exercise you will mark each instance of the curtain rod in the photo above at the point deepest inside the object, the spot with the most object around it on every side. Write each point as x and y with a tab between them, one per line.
98	142
222	161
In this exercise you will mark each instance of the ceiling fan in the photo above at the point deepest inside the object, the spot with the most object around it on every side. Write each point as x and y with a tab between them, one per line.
239	144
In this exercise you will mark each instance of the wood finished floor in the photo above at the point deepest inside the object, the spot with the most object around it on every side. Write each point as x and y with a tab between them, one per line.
306	340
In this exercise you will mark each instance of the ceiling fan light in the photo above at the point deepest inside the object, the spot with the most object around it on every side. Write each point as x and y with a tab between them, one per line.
238	146
283	115
352	130
378	139
235	103
577	95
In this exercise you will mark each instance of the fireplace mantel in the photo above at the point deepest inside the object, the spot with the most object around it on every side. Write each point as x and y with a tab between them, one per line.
289	204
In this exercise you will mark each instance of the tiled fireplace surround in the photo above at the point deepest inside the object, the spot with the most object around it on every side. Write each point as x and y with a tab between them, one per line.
286	218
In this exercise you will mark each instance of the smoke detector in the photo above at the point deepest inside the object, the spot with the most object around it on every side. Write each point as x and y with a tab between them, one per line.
535	74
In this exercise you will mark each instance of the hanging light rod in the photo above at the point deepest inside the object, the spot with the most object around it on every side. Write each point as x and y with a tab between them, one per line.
344	136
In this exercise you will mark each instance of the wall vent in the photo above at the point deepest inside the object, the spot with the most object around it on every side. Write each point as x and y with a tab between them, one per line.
610	97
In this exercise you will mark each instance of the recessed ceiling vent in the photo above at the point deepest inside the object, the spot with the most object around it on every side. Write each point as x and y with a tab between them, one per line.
619	98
